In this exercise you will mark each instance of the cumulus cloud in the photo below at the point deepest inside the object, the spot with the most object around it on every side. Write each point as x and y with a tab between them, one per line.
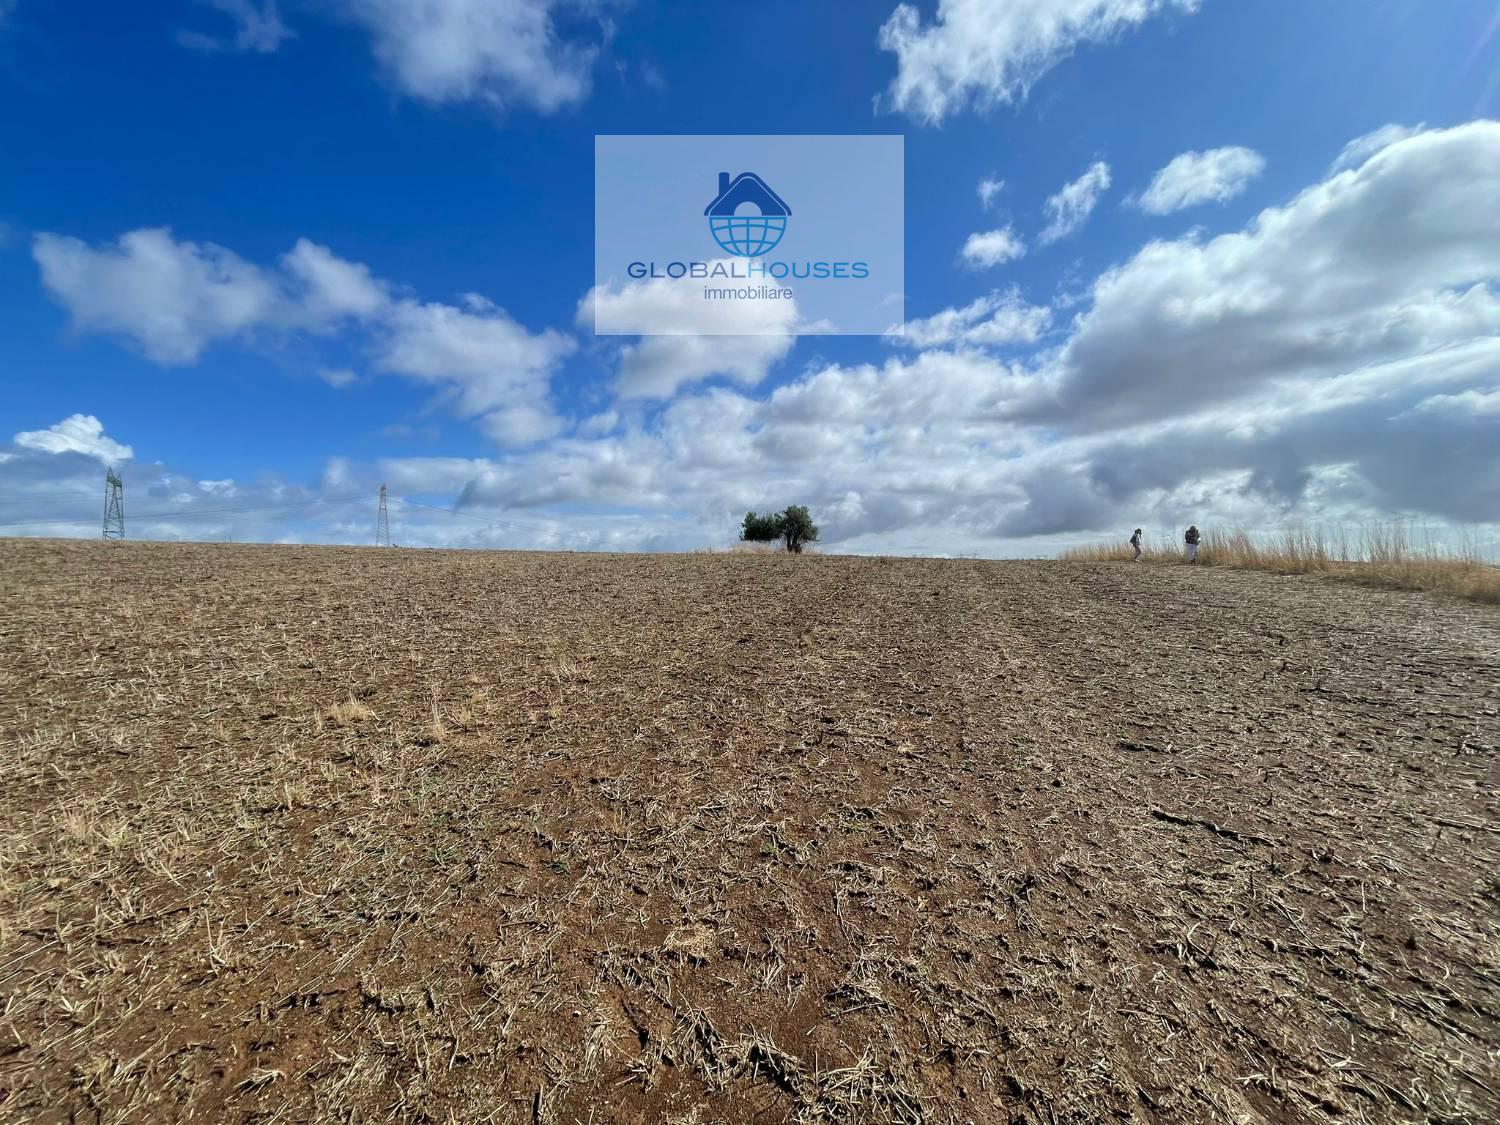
173	299
1201	177
1360	149
338	376
331	287
993	247
1394	258
496	52
258	27
1001	317
78	433
658	365
1372	431
1297	370
499	52
1302	369
492	366
1070	208
983	52
988	189
685	338
872	448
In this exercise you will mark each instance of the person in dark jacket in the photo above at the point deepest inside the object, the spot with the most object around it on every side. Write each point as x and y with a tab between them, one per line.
1135	541
1191	538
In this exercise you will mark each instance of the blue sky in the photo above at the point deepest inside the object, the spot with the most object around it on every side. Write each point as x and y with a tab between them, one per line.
440	166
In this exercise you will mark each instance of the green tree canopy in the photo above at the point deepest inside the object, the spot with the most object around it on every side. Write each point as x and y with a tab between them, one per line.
760	529
793	526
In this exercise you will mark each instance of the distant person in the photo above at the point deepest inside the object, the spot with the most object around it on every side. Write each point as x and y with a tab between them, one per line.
1135	542
1191	539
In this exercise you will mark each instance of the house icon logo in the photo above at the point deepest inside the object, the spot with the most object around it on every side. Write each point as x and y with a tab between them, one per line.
747	218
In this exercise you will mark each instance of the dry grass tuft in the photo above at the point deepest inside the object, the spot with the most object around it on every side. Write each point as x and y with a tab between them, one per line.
1381	555
349	712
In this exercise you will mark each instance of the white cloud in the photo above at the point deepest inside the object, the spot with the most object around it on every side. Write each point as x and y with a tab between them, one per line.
258	27
172	298
521	424
1394	259
78	433
658	365
1070	208
988	189
1360	149
1348	448
1470	404
982	52
689	339
599	424
663	306
993	247
1002	317
1201	177
337	376
437	341
1334	360
1297	370
498	52
332	287
492	365
175	298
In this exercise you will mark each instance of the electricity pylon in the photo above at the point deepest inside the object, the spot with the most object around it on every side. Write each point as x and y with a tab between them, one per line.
382	523
114	506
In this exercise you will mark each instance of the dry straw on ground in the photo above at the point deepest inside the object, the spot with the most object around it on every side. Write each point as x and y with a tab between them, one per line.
323	834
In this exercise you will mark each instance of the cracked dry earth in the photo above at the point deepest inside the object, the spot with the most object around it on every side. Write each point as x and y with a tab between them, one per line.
328	834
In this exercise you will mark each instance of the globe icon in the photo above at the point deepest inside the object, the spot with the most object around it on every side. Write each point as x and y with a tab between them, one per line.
748	236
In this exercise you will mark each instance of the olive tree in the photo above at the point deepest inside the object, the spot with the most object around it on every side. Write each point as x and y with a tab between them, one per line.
793	526
797	528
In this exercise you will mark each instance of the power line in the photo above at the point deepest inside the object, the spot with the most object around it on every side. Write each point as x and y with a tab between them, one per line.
382	529
43	498
193	514
487	521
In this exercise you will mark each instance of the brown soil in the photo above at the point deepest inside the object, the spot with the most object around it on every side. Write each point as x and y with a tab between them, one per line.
294	833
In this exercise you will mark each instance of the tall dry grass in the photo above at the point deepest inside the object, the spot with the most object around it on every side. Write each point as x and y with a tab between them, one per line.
1388	555
741	547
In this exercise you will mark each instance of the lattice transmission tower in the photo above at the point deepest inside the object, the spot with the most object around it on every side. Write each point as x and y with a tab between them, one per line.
114	506
382	523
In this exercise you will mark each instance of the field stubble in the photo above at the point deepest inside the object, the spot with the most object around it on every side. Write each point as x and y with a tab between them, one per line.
333	834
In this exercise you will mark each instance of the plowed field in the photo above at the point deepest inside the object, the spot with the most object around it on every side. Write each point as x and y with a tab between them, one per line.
326	834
